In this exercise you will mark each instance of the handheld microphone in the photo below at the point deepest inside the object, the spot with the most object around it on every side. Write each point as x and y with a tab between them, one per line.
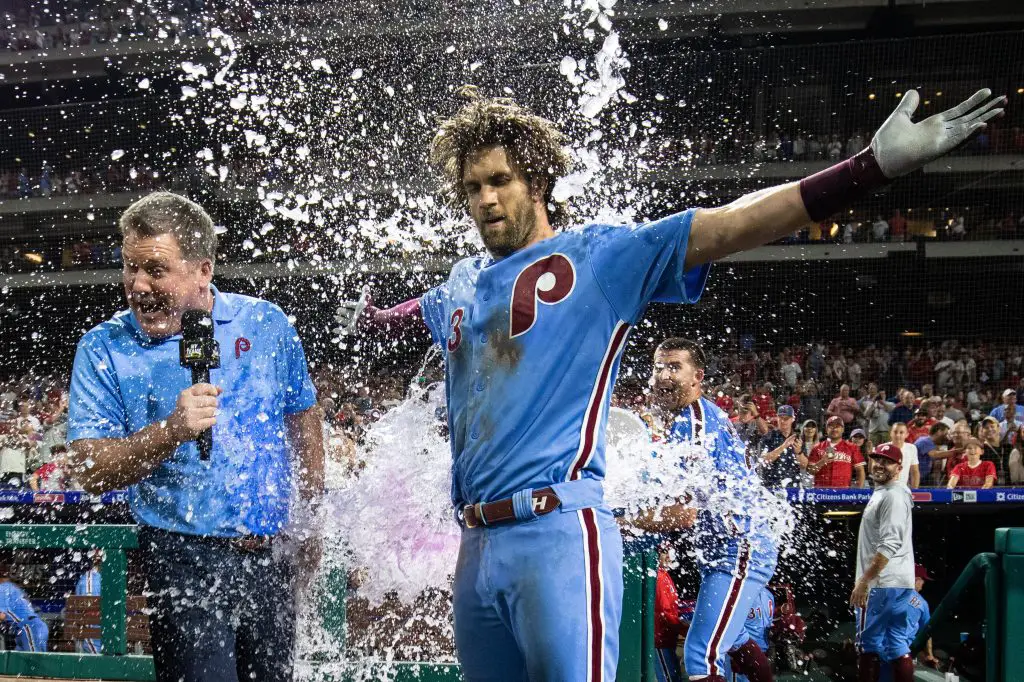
200	352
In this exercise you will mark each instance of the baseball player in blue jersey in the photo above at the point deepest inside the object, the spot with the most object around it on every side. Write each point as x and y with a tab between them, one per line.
760	618
89	586
736	555
918	614
16	611
533	332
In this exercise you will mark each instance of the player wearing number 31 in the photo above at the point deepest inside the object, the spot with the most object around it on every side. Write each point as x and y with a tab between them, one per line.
533	331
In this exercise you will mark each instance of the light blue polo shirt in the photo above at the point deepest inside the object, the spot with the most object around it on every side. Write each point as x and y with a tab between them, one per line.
124	380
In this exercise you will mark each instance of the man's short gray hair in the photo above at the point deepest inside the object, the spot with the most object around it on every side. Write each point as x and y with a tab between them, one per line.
169	213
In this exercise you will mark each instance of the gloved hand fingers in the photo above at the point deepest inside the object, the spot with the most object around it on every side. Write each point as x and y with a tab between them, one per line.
987	111
908	104
968	104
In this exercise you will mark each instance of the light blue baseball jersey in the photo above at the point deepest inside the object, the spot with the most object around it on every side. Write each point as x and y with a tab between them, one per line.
88	584
760	618
920	613
14	604
718	532
123	381
533	343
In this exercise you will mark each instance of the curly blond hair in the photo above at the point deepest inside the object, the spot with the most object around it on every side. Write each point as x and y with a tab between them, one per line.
533	145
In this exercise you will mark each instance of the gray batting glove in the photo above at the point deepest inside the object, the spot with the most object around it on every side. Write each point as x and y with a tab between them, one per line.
348	313
901	146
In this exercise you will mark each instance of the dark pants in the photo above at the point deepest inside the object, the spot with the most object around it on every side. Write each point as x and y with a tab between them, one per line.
220	614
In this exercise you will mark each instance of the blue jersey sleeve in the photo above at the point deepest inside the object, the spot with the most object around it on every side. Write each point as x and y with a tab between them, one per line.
299	392
95	409
645	263
435	315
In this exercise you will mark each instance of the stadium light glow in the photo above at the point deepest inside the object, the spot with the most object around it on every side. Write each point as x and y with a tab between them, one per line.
35	258
911	334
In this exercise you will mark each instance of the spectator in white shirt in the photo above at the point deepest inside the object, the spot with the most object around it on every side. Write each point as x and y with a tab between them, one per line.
953	413
910	474
799	148
791	373
835	149
944	369
854	144
957	229
880	229
876	410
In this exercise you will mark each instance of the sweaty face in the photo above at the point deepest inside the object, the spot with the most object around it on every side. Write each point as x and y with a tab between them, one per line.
883	470
676	380
160	284
500	201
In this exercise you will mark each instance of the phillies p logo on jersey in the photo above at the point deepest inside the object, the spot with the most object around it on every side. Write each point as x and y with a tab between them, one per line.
549	280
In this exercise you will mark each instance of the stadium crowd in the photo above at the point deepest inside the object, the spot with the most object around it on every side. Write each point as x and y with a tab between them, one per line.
780	146
809	414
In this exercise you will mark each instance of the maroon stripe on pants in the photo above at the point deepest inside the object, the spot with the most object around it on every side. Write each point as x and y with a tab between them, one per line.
594	576
730	606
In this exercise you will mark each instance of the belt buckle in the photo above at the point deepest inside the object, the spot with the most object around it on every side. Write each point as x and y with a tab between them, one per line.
469	517
250	543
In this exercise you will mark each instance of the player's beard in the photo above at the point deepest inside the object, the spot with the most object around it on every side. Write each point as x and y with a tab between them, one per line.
520	226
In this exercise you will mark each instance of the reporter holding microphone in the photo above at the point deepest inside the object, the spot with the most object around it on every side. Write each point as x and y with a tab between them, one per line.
223	598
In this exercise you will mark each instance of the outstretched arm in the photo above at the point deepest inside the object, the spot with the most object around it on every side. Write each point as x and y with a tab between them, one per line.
402	317
899	147
353	315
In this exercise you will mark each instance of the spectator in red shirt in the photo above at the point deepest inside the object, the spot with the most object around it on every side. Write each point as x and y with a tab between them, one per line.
668	625
975	472
844	406
920	426
748	370
959	435
764	401
898	226
52	475
724	400
834	461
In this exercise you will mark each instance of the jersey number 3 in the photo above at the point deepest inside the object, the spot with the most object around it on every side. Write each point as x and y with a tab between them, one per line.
455	337
549	280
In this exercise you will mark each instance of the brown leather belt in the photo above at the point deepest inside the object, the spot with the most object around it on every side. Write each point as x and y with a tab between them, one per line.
245	543
252	543
545	501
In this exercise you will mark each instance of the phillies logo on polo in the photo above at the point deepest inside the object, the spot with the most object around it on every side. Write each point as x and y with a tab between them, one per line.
549	280
242	345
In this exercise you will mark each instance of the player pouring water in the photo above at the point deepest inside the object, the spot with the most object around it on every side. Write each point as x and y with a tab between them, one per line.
533	331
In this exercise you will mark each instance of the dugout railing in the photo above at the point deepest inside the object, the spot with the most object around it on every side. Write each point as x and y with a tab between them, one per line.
1002	573
636	631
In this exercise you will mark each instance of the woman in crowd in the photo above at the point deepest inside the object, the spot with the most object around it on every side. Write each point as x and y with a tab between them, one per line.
1015	467
860	439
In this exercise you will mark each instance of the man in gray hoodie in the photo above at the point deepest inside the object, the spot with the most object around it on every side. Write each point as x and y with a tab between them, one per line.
885	572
